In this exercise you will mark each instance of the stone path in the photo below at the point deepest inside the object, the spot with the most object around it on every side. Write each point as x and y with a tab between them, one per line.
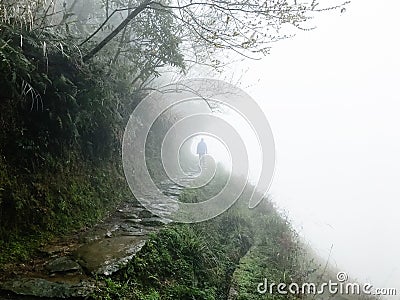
67	267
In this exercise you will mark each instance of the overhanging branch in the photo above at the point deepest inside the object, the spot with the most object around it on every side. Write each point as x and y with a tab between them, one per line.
117	30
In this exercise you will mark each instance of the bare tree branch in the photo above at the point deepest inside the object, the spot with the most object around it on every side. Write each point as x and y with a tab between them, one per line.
121	26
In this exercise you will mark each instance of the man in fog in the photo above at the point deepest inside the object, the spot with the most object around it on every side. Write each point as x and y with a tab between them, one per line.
201	149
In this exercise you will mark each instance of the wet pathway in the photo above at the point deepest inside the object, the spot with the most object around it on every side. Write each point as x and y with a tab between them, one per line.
67	267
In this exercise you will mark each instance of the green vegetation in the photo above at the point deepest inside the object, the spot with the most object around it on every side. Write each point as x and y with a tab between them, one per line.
197	261
51	204
63	107
62	119
59	154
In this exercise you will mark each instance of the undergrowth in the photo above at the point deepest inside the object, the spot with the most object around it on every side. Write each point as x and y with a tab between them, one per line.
197	261
48	204
61	125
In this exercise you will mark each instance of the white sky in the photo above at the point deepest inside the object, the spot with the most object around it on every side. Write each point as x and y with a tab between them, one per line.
333	102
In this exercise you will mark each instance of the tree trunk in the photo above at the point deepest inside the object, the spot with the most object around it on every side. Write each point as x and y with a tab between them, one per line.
117	30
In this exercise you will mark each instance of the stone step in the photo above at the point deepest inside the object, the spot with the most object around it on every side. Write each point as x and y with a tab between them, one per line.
67	268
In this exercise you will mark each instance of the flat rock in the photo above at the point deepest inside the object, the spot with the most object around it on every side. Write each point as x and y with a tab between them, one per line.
145	214
133	221
131	216
109	255
63	265
54	249
171	193
154	221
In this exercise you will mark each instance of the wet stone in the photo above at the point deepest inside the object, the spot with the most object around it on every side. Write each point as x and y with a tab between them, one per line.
132	216
145	214
63	265
171	193
154	221
134	233
133	221
109	255
54	249
114	228
39	287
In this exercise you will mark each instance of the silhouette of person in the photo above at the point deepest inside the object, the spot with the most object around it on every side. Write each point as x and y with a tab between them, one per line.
201	149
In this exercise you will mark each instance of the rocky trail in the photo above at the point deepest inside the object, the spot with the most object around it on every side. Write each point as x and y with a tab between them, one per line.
67	267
